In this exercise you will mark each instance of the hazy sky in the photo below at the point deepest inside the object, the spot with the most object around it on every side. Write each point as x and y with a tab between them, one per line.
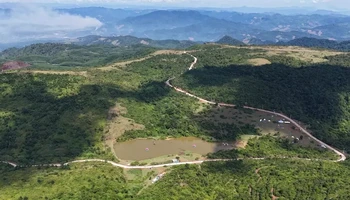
341	4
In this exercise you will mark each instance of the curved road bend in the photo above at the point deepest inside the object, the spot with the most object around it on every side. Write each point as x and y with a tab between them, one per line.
342	156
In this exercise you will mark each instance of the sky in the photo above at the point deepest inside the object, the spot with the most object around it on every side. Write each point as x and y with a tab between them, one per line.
29	21
322	4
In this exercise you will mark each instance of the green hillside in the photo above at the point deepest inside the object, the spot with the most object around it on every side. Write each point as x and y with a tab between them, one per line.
53	118
314	94
63	56
254	180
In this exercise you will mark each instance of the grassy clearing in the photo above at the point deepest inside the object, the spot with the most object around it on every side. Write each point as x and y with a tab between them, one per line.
117	125
259	61
304	54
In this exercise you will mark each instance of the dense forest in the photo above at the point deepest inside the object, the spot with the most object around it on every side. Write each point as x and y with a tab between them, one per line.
78	181
50	118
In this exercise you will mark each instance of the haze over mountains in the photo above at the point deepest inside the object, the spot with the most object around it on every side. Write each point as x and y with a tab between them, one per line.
17	28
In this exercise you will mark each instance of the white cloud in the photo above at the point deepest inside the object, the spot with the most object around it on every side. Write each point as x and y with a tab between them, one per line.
37	22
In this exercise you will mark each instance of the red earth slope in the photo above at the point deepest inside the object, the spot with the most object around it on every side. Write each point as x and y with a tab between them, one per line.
14	65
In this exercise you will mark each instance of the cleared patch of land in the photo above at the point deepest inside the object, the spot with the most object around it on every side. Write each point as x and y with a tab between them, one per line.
118	125
242	142
266	123
259	61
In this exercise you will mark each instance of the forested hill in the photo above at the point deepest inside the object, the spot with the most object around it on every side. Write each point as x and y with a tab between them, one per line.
319	43
229	40
54	55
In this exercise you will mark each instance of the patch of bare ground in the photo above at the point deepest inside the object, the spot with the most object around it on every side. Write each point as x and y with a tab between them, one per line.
118	125
13	65
259	61
241	144
125	63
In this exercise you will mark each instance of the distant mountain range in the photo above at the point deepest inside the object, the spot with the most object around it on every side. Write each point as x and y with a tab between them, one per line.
302	42
206	25
212	25
127	41
124	41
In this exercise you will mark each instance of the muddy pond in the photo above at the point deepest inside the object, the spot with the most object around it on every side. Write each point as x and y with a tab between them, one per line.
143	149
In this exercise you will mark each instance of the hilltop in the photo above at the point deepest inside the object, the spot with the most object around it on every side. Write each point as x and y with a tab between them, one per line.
229	41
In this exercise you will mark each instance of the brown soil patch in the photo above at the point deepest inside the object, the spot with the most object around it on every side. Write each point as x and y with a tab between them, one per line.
259	61
240	144
118	125
12	65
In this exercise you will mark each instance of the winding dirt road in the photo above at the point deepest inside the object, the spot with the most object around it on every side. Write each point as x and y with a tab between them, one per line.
342	157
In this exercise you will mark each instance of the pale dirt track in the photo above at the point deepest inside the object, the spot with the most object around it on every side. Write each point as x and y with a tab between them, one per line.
125	63
342	156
